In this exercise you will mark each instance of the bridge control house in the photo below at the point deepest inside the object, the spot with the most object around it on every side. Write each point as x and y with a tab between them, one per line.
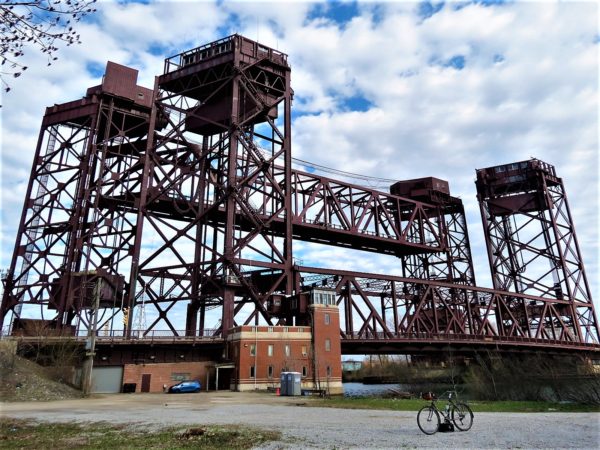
261	353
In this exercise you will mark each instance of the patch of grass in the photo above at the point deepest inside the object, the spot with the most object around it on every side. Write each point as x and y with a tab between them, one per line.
27	434
370	403
477	406
523	406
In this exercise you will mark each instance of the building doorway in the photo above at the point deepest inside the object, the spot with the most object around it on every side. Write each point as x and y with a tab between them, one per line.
146	382
223	376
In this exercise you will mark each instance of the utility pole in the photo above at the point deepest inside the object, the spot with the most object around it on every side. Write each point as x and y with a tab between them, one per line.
90	345
3	275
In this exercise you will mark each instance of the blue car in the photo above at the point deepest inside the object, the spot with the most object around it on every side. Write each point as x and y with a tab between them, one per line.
185	386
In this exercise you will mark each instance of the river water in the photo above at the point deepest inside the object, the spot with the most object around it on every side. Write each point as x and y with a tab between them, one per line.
369	390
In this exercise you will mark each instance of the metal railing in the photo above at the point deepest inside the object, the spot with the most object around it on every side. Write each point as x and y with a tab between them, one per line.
226	45
424	337
198	54
143	336
211	335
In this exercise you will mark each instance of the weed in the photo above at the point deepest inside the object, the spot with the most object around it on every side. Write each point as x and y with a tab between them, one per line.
27	434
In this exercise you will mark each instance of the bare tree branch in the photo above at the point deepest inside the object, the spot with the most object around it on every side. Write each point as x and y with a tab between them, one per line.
41	25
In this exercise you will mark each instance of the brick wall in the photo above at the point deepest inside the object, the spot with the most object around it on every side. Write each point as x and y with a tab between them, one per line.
328	347
162	374
261	353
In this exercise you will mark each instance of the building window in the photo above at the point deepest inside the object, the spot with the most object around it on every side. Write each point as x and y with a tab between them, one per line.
252	371
327	319
328	371
323	298
288	351
304	350
327	345
270	372
304	371
270	350
177	376
252	350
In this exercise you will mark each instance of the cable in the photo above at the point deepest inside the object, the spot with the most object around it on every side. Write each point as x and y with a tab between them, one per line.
318	167
341	172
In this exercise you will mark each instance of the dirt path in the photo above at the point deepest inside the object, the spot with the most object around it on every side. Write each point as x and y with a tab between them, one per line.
314	427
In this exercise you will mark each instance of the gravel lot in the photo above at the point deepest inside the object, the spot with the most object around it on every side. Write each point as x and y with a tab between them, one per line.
304	426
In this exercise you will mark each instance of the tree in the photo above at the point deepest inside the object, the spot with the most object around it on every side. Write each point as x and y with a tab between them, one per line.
38	24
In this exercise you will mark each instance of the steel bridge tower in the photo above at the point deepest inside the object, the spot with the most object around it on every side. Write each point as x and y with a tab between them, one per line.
78	223
218	201
533	249
456	264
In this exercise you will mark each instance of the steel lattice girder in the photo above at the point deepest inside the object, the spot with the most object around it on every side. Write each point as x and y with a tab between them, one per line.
388	308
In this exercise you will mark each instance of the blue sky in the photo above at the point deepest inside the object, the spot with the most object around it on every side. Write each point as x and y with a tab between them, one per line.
394	89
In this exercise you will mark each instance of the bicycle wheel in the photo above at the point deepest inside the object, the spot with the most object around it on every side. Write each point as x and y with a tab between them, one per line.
428	419
462	416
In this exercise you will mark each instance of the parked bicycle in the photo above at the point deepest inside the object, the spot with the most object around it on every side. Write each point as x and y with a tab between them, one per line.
457	413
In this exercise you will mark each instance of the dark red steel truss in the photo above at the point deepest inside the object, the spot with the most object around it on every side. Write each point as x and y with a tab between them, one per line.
88	155
455	265
531	242
394	309
188	198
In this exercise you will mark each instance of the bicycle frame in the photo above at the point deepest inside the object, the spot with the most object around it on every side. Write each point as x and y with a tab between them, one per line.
457	413
449	403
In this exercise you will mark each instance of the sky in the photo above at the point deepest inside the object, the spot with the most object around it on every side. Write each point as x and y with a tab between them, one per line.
397	90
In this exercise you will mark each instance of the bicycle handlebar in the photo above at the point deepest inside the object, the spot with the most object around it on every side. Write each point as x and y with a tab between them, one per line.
431	396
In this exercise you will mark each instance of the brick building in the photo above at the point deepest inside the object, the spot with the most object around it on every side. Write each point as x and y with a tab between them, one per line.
253	358
261	353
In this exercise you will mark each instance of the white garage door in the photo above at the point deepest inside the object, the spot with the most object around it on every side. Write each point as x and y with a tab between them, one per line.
107	380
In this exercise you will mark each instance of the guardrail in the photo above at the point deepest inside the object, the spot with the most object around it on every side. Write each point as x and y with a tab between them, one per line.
140	336
423	337
210	335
